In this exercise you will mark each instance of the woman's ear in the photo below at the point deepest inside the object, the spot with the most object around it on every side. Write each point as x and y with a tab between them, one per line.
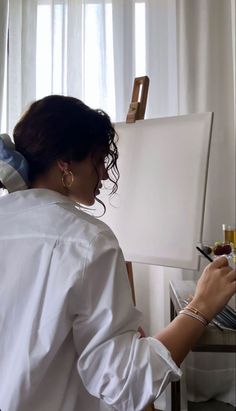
63	165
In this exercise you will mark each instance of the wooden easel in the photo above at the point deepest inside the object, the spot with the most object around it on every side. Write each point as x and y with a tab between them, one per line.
136	112
139	99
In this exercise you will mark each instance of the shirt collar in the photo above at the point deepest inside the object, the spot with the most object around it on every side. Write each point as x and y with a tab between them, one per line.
34	197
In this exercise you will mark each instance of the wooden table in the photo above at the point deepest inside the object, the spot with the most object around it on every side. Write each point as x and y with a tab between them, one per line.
213	339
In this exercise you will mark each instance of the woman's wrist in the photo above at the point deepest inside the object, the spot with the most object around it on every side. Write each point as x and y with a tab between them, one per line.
200	308
193	312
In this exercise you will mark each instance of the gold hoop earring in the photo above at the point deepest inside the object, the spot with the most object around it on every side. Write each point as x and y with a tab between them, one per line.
64	178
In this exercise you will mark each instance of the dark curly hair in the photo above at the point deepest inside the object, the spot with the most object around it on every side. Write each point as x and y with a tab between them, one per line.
61	127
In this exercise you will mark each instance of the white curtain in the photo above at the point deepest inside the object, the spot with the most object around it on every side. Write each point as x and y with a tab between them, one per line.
3	59
93	49
206	82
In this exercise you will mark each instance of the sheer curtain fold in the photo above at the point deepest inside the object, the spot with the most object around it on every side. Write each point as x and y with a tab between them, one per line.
75	48
161	57
22	57
58	47
123	46
3	53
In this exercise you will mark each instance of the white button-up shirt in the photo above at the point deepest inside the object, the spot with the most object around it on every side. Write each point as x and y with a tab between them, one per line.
68	328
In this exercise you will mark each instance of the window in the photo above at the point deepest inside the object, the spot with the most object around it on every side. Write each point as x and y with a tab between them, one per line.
96	60
95	54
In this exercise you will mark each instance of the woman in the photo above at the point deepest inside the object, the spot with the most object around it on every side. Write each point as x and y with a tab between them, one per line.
69	336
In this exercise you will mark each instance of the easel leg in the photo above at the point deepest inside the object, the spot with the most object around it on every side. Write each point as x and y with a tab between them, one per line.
175	386
175	396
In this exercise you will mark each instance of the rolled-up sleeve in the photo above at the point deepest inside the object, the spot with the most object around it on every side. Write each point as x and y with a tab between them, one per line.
115	364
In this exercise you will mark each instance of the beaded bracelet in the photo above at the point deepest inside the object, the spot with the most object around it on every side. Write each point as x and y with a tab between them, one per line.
195	316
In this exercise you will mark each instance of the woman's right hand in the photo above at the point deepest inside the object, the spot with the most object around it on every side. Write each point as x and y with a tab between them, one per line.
215	287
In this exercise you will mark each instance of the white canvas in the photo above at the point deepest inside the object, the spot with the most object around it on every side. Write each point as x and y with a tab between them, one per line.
157	213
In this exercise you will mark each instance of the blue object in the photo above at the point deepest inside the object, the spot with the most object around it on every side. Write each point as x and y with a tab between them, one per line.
13	166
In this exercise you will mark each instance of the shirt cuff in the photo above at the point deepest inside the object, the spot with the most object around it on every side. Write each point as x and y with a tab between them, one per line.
172	372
